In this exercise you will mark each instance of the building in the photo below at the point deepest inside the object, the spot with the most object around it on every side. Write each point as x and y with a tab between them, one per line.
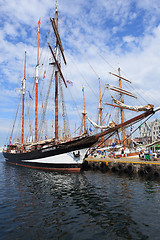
149	131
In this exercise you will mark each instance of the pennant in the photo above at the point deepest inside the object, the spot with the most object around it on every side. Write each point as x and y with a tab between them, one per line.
44	74
69	83
39	23
30	95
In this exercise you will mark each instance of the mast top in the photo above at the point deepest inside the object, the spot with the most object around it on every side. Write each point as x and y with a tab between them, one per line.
56	14
56	7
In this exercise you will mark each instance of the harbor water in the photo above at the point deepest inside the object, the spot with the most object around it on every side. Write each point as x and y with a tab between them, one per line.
89	205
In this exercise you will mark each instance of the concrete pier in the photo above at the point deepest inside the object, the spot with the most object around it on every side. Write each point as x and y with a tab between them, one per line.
124	165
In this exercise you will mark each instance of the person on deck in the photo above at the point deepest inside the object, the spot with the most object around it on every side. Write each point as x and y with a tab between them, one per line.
5	148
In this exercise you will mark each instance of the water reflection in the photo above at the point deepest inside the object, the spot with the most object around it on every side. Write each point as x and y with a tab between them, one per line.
51	205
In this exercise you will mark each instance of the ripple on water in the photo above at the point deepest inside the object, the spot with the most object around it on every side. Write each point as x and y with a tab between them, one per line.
91	205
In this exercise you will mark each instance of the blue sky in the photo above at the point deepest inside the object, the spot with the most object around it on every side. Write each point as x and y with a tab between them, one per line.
110	33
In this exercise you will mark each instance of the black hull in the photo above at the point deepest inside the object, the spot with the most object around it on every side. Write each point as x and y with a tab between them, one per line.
27	159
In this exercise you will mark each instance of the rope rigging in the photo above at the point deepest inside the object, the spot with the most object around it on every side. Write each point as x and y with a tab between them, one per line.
45	98
43	115
79	49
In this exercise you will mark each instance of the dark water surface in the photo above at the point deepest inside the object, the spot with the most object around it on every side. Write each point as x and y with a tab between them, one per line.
90	205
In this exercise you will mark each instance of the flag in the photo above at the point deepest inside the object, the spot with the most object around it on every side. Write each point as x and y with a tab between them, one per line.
44	74
39	23
131	128
30	95
90	129
69	83
82	89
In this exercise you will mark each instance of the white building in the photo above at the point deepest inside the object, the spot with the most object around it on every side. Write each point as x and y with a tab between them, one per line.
150	131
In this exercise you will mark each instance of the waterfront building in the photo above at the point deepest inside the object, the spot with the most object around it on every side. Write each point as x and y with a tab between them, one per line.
150	131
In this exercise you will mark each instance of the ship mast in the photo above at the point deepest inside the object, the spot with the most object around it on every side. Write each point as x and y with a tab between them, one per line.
84	111
120	104
36	99
122	114
100	103
100	107
56	83
57	50
23	92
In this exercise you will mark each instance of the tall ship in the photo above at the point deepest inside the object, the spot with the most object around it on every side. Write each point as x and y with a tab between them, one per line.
127	147
61	152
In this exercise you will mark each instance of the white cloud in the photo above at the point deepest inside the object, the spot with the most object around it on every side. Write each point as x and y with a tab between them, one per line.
106	25
129	39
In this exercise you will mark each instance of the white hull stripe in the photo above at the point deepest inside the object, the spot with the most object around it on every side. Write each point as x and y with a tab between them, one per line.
65	158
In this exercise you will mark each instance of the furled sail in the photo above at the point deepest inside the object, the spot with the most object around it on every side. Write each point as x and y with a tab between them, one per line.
111	124
120	90
137	108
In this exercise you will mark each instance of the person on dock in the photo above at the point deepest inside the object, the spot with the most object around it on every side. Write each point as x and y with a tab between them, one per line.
122	152
141	154
150	155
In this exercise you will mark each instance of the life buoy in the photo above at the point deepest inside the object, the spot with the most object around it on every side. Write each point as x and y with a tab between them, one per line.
120	167
148	169
156	174
114	169
140	172
130	169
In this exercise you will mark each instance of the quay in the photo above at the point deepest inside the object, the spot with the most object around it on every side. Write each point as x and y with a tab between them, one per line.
132	165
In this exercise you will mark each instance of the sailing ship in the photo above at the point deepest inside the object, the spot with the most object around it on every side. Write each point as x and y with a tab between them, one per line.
122	149
60	154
